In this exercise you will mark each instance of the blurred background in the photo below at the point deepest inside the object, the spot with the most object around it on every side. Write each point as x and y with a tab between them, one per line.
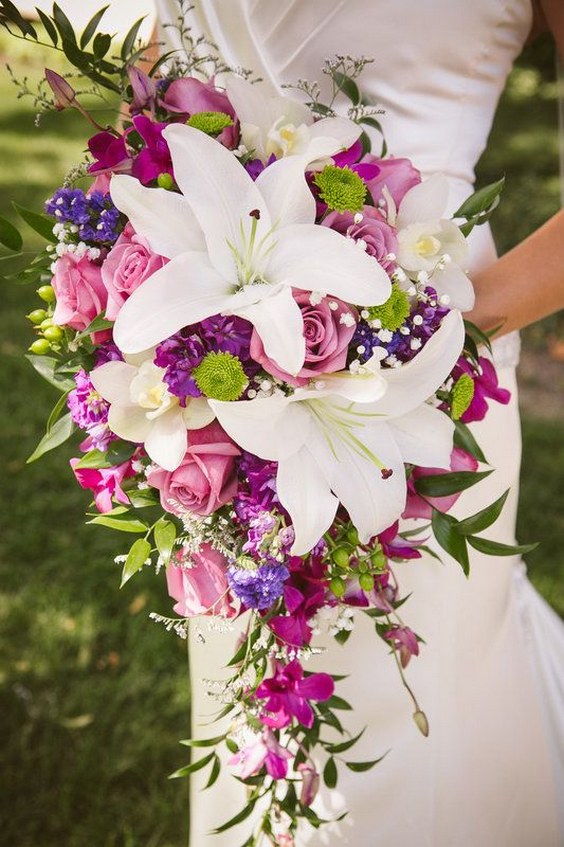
93	695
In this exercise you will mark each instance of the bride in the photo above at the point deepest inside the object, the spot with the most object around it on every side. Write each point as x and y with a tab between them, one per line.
490	676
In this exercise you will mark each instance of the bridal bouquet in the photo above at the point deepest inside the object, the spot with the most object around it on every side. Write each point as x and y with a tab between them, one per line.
255	325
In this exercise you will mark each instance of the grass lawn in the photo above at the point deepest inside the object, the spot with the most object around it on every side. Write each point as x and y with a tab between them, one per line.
93	695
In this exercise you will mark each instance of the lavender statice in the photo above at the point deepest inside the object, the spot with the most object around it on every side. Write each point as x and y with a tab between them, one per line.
89	411
92	219
403	344
260	588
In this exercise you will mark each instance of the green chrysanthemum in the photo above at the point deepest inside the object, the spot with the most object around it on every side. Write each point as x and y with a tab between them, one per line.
212	123
340	188
393	313
461	396
220	376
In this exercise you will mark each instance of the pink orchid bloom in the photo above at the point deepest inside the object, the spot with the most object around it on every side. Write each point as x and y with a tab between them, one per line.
287	694
419	507
104	482
264	751
404	641
303	596
310	783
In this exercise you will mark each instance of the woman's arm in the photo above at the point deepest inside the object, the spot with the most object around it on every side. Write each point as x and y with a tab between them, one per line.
527	283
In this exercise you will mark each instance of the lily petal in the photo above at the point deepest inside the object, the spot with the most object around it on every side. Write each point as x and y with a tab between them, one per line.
164	218
278	320
197	413
166	441
454	282
186	290
112	380
286	192
316	258
129	423
305	494
424	202
262	105
358	388
424	437
342	130
220	192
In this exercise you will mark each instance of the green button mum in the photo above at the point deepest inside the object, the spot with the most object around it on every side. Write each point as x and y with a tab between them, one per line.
212	123
461	396
220	376
340	188
393	313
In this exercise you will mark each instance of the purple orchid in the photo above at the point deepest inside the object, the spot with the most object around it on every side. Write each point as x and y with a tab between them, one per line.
110	153
287	694
154	159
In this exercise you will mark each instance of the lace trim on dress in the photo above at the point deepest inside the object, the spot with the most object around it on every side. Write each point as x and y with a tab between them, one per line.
506	350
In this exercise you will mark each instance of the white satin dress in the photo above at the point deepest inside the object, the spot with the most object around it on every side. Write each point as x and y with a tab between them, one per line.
490	677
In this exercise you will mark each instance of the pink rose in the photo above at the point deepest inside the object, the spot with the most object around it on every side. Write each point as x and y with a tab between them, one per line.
327	331
377	234
398	175
81	294
104	482
129	263
189	96
200	588
205	479
416	506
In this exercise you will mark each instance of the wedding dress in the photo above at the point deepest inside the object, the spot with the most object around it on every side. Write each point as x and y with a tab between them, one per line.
490	676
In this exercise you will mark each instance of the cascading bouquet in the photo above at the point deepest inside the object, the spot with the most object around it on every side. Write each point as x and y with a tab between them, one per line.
255	323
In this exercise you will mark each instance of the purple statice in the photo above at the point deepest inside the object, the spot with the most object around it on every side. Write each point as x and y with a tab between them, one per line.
95	216
403	344
179	355
229	334
89	411
107	352
260	588
257	489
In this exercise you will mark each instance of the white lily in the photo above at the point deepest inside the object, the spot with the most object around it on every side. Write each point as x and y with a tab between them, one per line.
282	126
142	409
260	241
429	243
348	442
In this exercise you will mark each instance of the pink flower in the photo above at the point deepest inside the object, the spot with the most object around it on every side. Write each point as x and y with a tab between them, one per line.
189	96
486	387
109	152
328	328
404	641
129	263
377	234
287	694
265	750
154	159
397	175
200	588
205	479
81	294
310	783
144	89
419	507
104	482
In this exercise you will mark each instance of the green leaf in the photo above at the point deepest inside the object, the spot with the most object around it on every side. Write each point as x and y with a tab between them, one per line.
57	435
214	773
144	498
138	554
123	525
63	24
38	223
56	413
335	702
344	745
92	26
477	335
330	775
464	439
342	636
202	742
101	44
13	15
45	367
130	38
10	236
50	28
76	56
348	86
444	484
484	518
495	548
238	818
93	459
99	323
481	200
120	451
165	536
360	767
193	767
445	531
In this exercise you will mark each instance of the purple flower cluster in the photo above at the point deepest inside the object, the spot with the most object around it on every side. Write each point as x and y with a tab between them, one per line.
95	215
403	344
257	492
180	354
107	352
89	411
260	588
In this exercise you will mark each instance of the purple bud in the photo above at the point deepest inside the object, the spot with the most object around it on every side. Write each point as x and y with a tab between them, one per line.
144	88
65	95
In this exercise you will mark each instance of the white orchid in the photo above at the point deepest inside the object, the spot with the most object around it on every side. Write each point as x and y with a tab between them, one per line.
347	441
236	247
142	409
282	126
429	243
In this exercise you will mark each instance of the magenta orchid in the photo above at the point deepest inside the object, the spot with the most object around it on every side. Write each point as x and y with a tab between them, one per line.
287	694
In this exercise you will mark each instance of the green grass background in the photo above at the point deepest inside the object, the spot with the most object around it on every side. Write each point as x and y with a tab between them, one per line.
93	696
